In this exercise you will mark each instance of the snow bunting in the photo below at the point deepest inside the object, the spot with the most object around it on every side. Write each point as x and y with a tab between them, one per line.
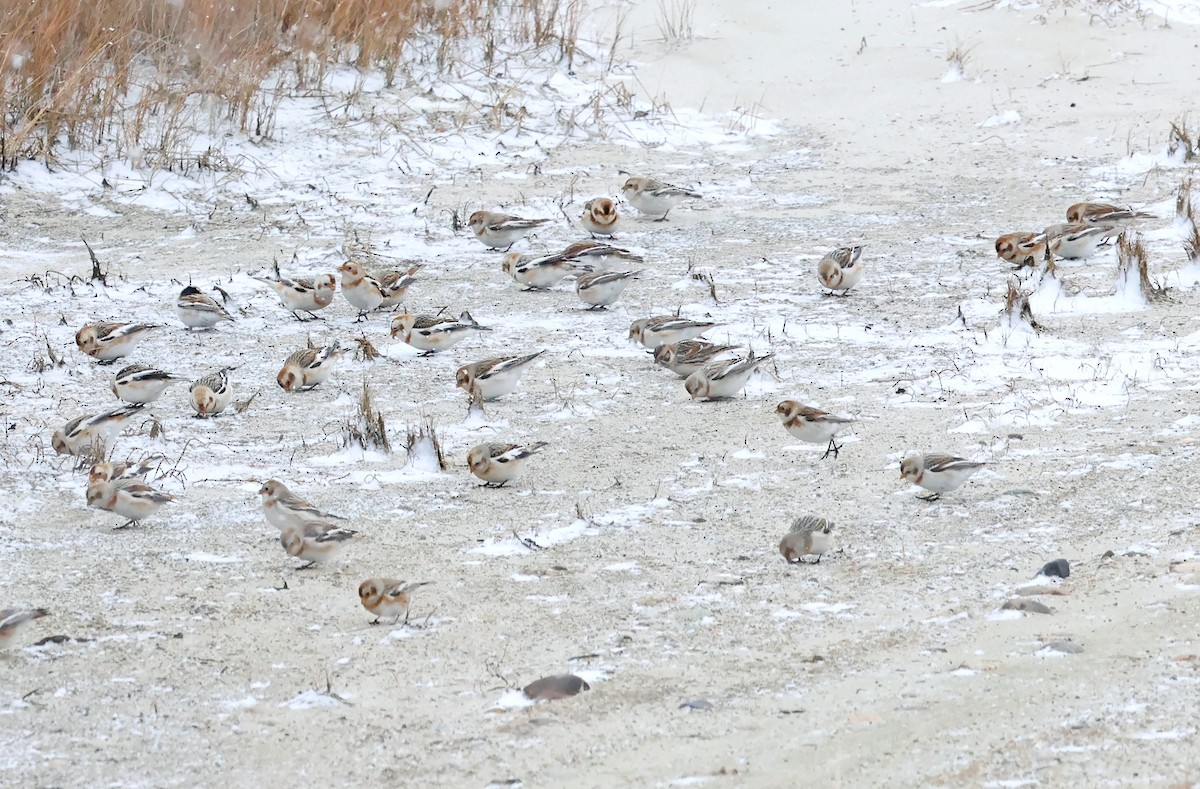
304	295
197	311
362	290
14	620
938	473
285	510
841	269
500	231
603	288
1078	240
600	217
723	378
91	434
432	333
539	272
811	425
315	542
309	367
809	535
1098	213
128	497
108	342
394	284
493	378
667	330
598	254
387	597
140	383
654	198
211	394
497	464
107	471
687	356
1021	249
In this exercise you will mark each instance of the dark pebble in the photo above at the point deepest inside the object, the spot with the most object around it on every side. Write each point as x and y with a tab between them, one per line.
696	704
559	686
1059	568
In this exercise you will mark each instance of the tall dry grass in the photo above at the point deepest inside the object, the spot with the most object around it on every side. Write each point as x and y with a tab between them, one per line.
137	76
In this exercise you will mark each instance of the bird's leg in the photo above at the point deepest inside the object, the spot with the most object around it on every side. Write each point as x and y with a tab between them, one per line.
375	622
834	448
309	566
930	497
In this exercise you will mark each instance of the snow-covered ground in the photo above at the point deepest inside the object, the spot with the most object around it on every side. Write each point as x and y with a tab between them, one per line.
640	549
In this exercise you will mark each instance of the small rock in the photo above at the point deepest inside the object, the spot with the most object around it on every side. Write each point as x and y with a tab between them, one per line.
1185	567
1029	606
696	704
559	686
1059	568
1065	647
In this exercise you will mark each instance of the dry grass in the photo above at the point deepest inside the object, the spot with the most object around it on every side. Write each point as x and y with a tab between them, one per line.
1181	140
1016	307
675	19
424	441
145	78
1131	253
366	429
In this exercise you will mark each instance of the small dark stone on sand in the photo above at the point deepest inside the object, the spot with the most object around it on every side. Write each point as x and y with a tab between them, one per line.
1064	646
696	704
1059	568
559	686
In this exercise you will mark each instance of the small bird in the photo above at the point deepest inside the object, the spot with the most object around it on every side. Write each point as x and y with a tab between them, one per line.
667	330
285	510
598	254
128	497
211	394
1102	213
14	620
539	272
687	356
306	368
500	231
841	269
394	284
387	597
498	464
655	198
315	542
304	295
809	535
363	291
1079	240
937	472
723	378
603	288
432	333
107	342
600	217
493	378
107	471
91	435
812	425
1021	249
197	311
140	383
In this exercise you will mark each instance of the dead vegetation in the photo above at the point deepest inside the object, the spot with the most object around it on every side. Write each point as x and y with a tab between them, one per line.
1132	256
1181	140
423	442
1017	309
366	429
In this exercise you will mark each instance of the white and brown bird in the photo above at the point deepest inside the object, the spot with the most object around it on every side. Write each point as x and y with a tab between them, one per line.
602	289
667	330
14	620
501	231
1103	213
130	498
539	272
655	198
723	378
809	536
599	255
211	394
1021	249
498	464
316	542
140	383
94	434
309	367
600	217
363	292
939	473
394	284
841	269
812	425
388	597
284	509
687	356
433	333
107	342
304	295
1079	240
197	311
493	378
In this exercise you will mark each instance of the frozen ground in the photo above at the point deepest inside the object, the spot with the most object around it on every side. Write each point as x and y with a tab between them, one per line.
201	657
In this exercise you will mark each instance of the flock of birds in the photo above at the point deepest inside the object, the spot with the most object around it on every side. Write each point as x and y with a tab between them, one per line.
709	370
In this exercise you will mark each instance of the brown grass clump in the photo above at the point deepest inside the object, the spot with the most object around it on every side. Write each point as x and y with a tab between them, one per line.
1017	309
366	429
423	439
1180	139
1131	253
141	76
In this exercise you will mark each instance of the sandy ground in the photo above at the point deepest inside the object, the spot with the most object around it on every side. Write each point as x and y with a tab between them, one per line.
201	657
